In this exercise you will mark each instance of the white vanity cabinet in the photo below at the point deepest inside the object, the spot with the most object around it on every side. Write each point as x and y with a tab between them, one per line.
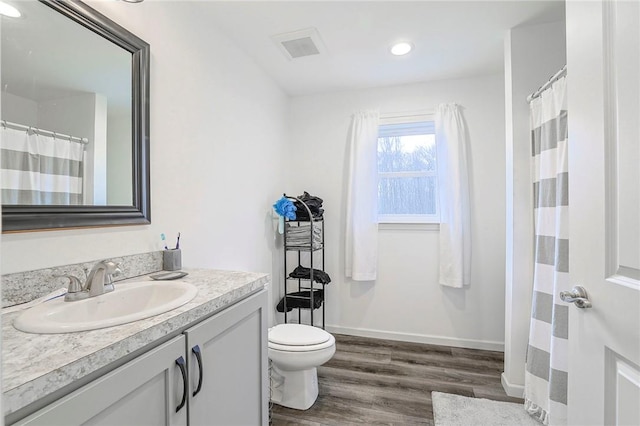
149	390
144	391
229	385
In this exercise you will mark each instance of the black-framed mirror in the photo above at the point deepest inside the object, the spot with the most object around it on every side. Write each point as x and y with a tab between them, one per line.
79	80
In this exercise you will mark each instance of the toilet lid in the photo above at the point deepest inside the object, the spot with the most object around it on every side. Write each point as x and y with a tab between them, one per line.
297	335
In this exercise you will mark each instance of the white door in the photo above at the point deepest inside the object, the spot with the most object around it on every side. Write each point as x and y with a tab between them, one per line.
603	63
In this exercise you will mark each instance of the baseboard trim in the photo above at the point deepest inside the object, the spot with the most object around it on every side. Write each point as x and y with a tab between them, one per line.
516	391
418	338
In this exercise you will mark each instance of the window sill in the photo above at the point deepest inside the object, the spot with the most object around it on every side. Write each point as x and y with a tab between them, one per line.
429	227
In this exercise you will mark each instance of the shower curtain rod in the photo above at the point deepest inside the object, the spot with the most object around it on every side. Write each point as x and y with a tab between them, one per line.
544	87
56	135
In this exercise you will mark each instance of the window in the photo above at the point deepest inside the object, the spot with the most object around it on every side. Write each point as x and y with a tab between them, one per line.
407	172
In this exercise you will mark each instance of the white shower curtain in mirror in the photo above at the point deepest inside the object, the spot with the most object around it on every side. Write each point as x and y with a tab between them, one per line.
361	239
40	170
547	353
453	191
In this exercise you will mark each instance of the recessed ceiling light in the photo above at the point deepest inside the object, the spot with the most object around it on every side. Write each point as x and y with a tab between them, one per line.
401	48
8	10
133	1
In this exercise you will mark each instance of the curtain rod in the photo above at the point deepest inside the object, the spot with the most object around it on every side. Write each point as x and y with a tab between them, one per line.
400	114
405	116
16	126
556	77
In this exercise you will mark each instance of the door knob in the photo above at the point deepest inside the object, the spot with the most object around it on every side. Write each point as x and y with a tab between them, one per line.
578	296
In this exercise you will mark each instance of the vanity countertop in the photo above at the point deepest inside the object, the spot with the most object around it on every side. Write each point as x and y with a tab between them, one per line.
36	365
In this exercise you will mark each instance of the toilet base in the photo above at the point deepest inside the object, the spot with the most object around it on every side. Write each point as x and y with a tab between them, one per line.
294	389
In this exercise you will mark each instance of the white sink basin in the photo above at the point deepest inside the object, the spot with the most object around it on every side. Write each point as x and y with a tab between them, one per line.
128	302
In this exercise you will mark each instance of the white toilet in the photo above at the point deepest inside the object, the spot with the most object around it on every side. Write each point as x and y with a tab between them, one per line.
295	351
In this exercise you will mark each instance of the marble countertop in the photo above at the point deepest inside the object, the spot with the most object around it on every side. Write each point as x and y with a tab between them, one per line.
36	365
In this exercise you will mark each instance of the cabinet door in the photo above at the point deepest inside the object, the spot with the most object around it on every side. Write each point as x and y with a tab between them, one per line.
233	372
145	391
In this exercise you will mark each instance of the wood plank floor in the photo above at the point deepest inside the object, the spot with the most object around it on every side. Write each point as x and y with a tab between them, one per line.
375	381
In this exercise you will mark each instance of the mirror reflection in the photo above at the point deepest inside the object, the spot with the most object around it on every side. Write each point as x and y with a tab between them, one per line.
66	113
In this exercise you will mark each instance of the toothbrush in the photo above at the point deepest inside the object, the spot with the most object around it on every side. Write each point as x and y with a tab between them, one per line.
178	242
164	241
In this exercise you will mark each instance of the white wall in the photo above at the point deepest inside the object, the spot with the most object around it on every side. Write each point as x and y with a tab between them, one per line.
406	302
218	135
532	55
119	162
19	110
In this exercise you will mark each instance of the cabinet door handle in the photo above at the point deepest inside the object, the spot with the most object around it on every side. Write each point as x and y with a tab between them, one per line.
196	350
185	383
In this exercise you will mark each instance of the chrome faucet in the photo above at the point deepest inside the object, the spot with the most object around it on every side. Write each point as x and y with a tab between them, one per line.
99	281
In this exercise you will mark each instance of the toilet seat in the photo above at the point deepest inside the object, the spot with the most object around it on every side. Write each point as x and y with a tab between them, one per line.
300	348
299	338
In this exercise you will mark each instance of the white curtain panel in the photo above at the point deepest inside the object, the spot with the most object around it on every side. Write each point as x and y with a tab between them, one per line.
546	371
453	190
38	170
361	242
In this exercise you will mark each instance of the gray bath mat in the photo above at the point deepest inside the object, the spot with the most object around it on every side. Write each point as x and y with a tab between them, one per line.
456	410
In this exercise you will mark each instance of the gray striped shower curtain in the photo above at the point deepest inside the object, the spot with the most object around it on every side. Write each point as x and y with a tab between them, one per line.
547	353
40	170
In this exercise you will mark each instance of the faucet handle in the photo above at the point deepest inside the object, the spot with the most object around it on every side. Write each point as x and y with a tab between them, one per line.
117	271
112	270
75	285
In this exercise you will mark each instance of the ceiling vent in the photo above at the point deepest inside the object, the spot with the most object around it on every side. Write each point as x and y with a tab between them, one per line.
300	43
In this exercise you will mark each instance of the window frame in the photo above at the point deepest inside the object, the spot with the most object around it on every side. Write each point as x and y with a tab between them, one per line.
419	117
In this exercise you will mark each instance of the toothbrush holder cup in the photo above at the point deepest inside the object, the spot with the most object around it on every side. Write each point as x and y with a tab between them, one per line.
172	260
